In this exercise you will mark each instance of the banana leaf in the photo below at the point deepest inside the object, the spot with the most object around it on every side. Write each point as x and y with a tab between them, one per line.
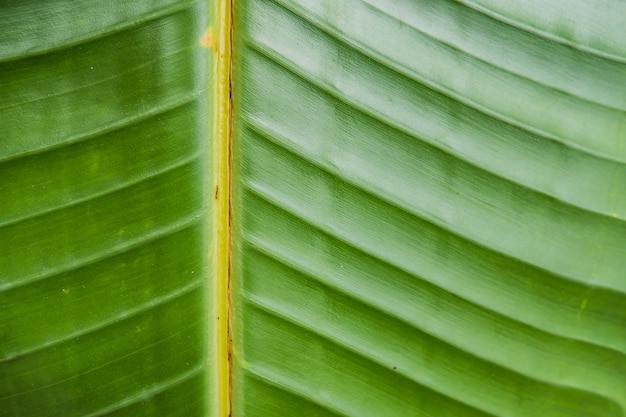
428	208
378	208
106	297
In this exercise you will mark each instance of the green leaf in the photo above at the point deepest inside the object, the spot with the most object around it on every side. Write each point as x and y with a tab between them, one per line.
104	276
427	208
428	212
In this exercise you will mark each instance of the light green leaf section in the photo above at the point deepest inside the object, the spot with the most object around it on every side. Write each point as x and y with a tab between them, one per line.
429	206
105	295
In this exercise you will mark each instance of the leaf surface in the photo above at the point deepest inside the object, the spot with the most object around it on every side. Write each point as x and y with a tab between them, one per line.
105	286
428	216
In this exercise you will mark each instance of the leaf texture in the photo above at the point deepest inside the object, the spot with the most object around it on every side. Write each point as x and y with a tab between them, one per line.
105	292
428	213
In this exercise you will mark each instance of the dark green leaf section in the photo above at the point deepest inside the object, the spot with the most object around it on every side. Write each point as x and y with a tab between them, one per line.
428	212
104	287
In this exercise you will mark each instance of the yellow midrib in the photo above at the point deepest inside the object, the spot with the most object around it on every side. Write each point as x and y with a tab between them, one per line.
222	122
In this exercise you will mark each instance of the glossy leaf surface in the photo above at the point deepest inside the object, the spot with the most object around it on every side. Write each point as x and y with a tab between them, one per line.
105	293
429	209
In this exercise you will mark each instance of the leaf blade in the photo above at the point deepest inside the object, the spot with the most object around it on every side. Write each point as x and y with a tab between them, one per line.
105	227
345	157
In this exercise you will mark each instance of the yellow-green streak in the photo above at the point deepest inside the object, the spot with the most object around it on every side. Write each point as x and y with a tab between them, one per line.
218	38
